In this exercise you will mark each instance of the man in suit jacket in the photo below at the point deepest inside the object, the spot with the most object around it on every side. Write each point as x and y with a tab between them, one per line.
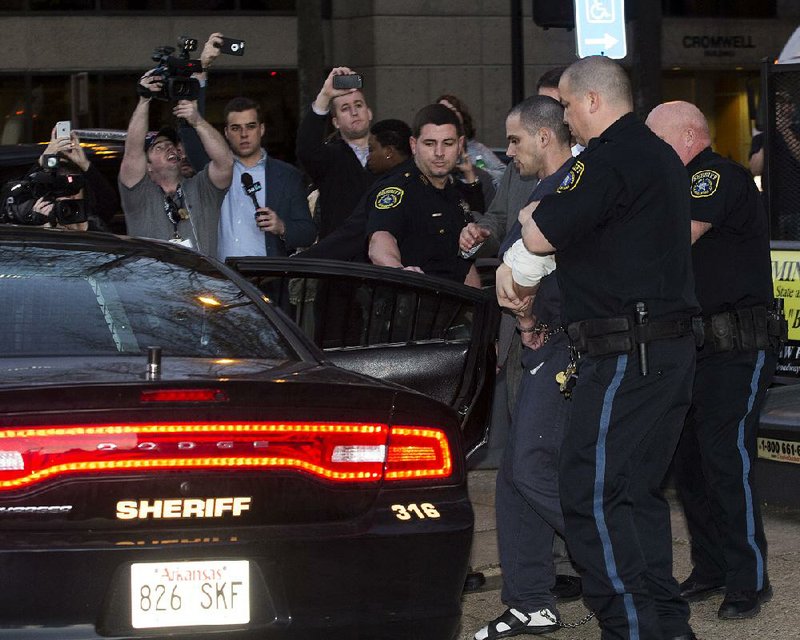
265	212
338	166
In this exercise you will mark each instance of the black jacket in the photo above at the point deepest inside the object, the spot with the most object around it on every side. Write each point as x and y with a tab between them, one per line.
335	170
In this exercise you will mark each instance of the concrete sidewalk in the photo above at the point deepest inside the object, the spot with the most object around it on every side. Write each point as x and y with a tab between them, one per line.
779	619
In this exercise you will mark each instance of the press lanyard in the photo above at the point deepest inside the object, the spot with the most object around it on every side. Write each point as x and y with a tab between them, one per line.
175	211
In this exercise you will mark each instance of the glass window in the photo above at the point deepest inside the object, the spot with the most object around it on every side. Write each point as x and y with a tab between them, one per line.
133	5
268	5
50	102
70	302
202	5
61	5
719	8
111	98
65	302
13	109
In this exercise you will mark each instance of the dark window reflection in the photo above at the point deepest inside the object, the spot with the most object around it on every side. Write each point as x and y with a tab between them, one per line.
339	312
132	5
62	5
719	8
90	303
111	100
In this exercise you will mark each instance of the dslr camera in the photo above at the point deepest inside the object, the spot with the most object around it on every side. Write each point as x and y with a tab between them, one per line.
176	71
50	183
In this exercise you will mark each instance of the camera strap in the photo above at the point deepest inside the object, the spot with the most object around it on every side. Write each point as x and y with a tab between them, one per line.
175	211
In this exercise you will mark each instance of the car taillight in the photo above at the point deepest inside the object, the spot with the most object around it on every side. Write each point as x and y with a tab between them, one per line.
335	452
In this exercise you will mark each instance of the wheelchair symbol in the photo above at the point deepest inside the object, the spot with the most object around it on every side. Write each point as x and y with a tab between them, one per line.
599	11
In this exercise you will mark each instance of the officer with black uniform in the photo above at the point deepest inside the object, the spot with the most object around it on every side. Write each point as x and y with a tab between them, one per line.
415	222
620	227
715	460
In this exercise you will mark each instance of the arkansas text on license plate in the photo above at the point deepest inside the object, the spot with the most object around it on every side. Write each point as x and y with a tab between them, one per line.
180	594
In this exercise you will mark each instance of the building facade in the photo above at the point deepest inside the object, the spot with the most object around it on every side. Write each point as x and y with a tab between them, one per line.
80	59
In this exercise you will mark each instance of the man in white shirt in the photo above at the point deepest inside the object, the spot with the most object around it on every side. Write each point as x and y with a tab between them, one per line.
265	212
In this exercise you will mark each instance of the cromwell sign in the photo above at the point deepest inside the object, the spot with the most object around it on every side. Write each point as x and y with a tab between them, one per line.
718	45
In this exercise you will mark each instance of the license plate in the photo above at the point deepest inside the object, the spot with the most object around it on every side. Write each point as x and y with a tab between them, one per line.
182	594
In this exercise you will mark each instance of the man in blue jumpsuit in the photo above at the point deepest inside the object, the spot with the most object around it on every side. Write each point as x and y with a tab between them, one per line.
620	229
527	501
717	451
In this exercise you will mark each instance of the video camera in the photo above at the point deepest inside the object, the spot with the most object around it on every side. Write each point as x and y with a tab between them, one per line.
19	196
176	71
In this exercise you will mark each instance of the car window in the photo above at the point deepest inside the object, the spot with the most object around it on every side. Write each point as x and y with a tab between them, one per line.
81	302
341	312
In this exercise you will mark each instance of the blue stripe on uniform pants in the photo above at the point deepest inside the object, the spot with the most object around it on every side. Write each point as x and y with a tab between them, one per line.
599	487
751	525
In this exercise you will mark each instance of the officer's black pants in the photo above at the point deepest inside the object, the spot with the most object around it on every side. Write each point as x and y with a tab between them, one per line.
714	469
623	431
526	501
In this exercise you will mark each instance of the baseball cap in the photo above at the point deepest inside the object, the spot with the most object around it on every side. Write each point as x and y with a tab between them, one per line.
164	132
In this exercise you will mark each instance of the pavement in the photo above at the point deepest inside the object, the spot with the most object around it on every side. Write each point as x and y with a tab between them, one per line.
779	619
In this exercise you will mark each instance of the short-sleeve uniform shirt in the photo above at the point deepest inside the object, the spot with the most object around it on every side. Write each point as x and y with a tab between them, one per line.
731	260
425	221
621	227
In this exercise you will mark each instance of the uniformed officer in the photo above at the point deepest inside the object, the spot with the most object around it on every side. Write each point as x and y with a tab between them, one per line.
620	227
715	459
415	223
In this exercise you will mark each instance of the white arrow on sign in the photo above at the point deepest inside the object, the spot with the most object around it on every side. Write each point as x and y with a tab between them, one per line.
607	41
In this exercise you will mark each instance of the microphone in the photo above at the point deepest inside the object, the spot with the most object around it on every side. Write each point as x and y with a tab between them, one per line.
251	188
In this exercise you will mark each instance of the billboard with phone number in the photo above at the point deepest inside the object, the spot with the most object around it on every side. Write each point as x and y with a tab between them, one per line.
786	284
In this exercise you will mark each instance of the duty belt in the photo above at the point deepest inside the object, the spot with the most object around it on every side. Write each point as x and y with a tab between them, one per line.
607	336
745	329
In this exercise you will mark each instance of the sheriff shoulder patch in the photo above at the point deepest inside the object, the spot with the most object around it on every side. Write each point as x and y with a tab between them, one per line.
704	183
572	178
389	198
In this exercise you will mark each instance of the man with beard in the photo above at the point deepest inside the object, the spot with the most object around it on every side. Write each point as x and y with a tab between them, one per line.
620	228
158	202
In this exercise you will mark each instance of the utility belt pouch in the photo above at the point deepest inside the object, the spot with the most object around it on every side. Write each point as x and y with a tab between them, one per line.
742	330
698	331
747	329
720	330
777	325
607	336
602	336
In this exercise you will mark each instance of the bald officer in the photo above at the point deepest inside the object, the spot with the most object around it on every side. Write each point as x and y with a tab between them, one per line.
620	228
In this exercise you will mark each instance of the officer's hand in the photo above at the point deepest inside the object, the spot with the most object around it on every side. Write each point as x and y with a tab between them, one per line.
507	296
269	221
471	235
526	213
414	269
187	109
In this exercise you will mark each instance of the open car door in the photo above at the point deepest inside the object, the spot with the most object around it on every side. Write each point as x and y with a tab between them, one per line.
428	334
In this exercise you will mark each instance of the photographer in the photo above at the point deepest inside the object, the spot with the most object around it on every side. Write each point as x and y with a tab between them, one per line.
158	201
62	167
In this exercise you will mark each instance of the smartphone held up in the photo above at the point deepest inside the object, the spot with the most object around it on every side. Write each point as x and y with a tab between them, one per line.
348	81
63	129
